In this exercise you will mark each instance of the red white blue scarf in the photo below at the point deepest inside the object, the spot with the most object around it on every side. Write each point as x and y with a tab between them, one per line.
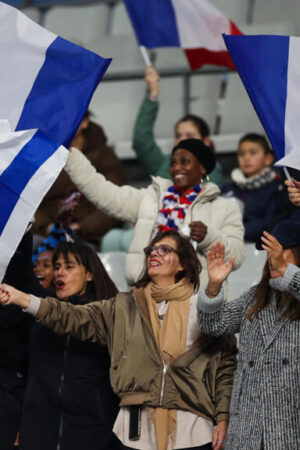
175	205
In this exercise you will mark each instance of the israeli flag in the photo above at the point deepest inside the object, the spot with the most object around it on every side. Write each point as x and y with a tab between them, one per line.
269	67
30	161
46	82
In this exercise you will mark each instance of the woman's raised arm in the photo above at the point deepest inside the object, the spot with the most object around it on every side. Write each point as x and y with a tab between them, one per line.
91	322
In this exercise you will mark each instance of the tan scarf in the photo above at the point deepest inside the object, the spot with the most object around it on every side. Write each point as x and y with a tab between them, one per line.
171	339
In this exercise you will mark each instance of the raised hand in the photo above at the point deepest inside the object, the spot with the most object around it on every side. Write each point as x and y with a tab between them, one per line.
275	252
10	295
217	269
152	81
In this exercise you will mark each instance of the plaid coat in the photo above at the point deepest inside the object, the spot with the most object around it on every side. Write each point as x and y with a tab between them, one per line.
265	402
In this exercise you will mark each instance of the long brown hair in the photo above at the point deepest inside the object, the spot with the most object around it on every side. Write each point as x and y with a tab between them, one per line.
264	294
187	257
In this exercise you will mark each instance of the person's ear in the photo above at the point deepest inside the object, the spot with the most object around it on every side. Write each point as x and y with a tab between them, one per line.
89	276
85	123
207	141
269	160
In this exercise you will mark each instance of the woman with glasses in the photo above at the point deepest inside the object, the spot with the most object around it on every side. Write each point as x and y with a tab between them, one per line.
173	381
188	203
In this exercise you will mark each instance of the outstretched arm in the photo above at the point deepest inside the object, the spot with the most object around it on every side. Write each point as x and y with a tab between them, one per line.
90	322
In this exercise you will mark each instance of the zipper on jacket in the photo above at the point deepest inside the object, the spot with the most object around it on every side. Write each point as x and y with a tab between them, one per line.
163	379
62	379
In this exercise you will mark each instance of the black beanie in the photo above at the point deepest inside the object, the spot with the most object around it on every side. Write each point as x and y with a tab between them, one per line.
202	152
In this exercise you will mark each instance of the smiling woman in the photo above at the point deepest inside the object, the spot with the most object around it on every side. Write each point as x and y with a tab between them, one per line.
173	381
189	203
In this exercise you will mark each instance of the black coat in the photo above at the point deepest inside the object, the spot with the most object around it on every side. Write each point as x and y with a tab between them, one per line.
69	403
14	335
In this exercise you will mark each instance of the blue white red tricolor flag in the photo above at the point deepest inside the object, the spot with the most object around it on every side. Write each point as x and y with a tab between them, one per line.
46	82
269	67
194	25
29	163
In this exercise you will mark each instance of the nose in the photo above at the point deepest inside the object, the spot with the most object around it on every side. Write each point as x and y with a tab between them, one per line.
60	271
154	252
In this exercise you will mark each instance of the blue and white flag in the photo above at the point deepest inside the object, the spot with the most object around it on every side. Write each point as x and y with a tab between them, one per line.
269	67
46	82
29	163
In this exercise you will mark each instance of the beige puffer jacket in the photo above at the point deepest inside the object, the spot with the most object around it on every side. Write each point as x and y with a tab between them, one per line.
140	206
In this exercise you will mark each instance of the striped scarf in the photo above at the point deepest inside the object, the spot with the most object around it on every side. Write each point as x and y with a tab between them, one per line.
175	205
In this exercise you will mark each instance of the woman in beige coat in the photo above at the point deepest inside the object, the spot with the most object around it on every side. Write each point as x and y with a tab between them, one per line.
188	203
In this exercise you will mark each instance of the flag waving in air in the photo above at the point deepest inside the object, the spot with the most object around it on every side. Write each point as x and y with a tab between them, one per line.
270	70
46	82
29	163
194	25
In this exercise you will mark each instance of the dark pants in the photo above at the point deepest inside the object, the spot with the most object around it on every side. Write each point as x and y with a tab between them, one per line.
202	447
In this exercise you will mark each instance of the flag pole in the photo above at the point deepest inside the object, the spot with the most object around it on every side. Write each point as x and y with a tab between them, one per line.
145	55
286	172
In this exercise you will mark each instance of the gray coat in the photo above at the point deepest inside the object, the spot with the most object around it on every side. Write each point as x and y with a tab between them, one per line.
265	402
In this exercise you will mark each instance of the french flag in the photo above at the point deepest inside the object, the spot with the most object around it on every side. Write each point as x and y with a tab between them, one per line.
194	25
269	67
30	161
46	82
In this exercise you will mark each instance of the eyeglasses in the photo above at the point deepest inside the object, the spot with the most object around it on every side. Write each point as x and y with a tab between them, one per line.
161	249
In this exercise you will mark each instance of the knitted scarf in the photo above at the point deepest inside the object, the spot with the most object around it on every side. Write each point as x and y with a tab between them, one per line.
254	182
175	205
171	339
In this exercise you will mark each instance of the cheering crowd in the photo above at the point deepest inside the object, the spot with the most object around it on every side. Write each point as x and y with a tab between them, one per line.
83	366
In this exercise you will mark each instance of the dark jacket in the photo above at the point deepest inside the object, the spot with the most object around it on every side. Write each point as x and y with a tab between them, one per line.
93	222
14	335
68	403
263	206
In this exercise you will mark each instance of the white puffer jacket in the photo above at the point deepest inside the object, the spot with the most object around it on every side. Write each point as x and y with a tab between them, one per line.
140	206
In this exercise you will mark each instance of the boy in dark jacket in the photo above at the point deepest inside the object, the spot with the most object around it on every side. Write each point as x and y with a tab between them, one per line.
260	189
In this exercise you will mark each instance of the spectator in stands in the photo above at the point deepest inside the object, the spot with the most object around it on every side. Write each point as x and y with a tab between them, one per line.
259	188
264	410
178	379
68	402
187	203
89	223
144	144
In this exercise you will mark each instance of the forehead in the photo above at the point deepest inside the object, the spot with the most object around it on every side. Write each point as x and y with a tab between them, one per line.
47	255
182	153
167	241
188	126
70	258
250	146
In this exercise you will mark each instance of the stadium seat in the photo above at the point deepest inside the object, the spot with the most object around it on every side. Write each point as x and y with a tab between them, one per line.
248	274
114	263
